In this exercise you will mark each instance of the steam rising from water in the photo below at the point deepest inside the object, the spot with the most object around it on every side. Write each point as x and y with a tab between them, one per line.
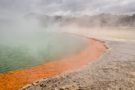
31	30
24	42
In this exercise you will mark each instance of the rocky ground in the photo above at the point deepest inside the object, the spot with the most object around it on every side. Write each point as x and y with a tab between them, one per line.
115	70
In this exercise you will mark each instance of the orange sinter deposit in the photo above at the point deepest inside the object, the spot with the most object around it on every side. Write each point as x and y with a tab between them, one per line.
15	79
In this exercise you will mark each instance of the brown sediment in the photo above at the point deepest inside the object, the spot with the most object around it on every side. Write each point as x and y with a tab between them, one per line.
15	79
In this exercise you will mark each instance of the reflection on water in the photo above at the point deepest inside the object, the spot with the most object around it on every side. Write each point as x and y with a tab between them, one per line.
30	50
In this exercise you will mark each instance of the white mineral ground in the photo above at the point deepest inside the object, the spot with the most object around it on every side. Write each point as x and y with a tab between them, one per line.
115	70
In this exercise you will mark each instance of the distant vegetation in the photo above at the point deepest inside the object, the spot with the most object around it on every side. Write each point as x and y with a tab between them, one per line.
101	20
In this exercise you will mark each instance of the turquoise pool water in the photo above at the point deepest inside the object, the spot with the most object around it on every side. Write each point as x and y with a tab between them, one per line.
29	50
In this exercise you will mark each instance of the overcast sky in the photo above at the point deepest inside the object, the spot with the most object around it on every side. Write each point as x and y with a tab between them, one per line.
67	7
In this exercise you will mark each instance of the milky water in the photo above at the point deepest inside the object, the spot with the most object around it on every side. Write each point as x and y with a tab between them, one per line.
26	50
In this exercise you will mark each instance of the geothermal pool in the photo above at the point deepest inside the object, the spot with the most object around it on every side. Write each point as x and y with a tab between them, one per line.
27	50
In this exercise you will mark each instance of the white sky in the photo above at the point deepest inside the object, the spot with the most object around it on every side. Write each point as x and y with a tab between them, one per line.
67	7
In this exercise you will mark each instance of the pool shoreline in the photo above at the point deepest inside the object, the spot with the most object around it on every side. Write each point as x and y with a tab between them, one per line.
18	78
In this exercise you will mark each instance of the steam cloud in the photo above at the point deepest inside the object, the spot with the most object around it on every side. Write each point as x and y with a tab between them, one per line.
31	15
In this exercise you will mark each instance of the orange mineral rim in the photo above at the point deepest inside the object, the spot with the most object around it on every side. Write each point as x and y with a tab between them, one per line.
18	78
